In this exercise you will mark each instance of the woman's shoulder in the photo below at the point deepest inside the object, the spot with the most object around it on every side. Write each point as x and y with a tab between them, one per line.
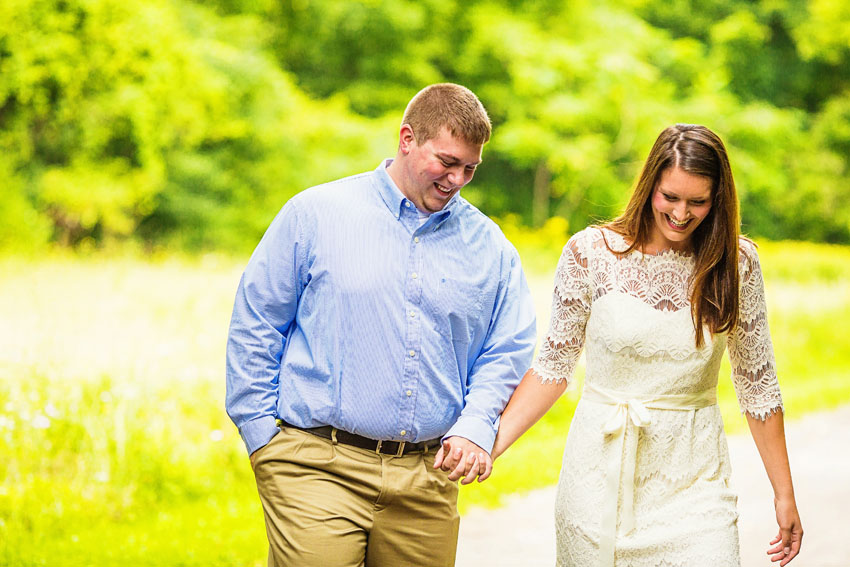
595	236
592	247
748	256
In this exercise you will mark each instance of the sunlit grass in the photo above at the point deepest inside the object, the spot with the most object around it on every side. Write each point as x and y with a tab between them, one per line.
116	448
112	417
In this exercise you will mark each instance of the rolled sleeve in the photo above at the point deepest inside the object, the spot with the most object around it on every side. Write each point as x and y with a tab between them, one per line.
480	431
258	432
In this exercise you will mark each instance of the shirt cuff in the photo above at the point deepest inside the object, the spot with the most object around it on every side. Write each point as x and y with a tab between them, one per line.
475	429
258	432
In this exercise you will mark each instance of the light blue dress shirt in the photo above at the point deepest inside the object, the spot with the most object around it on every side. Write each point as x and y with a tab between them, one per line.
352	313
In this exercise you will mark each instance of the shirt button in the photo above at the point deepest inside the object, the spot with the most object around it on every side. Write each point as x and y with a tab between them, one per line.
412	353
416	239
414	275
409	393
407	204
413	313
403	432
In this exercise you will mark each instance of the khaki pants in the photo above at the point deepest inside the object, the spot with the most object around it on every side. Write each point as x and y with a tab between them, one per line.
333	505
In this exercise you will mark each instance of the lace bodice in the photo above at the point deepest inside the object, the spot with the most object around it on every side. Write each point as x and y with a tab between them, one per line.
632	314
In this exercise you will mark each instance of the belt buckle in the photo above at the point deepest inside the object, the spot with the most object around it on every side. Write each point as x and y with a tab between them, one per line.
399	452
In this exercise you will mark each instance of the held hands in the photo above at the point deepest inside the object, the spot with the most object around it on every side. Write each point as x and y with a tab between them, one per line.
787	542
462	458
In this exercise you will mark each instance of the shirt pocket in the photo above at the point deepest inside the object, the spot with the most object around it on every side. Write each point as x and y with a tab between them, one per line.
462	303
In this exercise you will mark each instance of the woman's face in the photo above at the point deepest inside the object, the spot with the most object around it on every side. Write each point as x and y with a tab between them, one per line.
680	202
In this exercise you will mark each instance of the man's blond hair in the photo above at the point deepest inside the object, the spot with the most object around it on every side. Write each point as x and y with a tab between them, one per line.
450	105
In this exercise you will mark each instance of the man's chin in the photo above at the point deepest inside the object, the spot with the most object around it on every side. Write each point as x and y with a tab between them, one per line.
438	204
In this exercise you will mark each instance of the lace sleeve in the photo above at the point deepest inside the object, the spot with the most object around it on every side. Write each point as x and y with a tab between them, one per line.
750	349
562	346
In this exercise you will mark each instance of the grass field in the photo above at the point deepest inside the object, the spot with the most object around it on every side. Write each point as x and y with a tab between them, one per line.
115	448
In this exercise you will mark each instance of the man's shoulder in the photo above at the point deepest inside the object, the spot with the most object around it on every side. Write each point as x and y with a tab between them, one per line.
327	200
330	190
470	216
478	226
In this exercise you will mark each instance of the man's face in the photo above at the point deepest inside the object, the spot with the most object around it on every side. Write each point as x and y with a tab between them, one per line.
437	169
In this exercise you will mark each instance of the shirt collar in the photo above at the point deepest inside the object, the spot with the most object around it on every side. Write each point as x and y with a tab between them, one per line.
395	200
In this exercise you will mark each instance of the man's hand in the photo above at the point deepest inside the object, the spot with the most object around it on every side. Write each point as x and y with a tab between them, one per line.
462	458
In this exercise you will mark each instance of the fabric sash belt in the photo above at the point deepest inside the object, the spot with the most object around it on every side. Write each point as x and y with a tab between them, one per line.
630	411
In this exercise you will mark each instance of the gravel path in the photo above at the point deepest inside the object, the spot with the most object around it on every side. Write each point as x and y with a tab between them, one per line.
521	534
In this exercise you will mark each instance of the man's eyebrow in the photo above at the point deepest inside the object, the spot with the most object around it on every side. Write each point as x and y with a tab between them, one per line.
454	159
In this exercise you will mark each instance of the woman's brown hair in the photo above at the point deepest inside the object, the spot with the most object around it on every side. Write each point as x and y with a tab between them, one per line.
714	283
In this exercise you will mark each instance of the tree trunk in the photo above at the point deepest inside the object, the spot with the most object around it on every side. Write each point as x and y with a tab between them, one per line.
540	198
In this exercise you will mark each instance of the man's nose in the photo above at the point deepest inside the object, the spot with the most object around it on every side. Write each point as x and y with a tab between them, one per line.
455	176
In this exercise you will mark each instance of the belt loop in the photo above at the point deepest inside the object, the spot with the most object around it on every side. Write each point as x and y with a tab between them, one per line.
333	435
378	448
400	451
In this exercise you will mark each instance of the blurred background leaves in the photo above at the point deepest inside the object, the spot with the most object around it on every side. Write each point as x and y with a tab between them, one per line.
186	125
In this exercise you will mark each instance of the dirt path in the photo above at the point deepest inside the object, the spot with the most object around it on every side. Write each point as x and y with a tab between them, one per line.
522	533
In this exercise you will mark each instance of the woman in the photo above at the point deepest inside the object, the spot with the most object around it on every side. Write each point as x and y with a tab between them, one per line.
645	477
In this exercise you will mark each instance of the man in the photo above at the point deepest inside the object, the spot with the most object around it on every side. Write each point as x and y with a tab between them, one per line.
380	315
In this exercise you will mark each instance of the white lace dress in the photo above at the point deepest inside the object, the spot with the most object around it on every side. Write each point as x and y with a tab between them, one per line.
645	476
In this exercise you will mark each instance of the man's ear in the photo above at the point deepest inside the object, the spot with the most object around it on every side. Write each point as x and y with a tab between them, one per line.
406	139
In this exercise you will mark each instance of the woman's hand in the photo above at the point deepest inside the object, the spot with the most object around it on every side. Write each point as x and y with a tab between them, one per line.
787	542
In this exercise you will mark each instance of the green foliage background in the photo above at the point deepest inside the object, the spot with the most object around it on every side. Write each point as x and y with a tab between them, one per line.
173	123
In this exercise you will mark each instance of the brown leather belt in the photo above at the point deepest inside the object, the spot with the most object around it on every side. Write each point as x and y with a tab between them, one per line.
396	448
